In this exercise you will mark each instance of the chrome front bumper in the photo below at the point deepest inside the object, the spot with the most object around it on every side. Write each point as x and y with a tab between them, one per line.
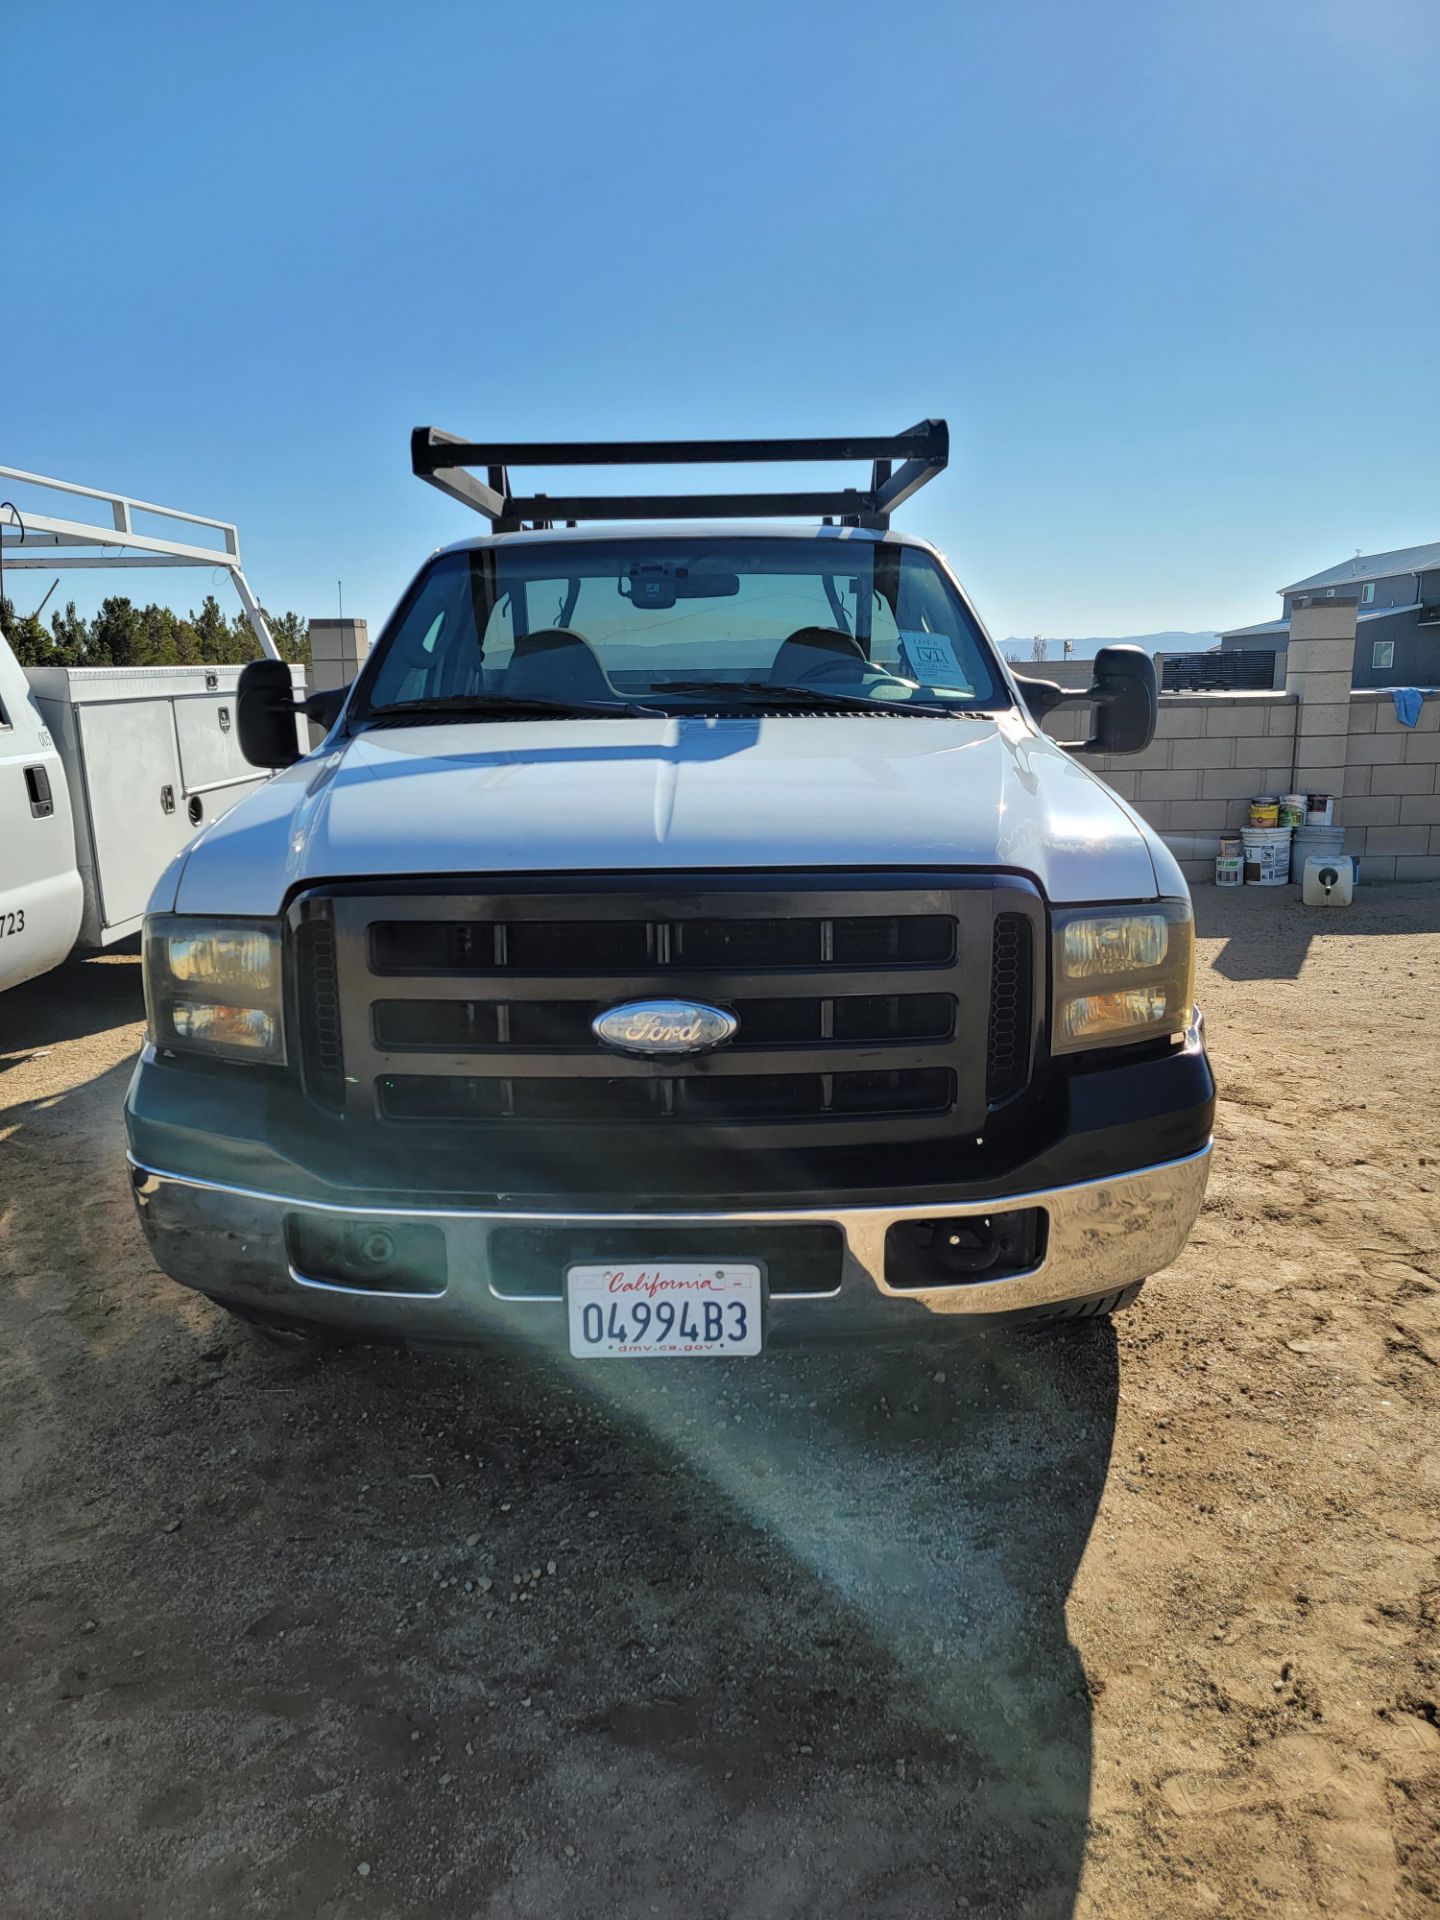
230	1242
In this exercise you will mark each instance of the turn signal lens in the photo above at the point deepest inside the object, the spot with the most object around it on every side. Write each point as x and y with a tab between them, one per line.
1097	1014
249	1028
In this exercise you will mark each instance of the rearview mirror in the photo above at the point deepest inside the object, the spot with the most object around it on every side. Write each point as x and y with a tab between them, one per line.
706	586
656	585
265	710
1127	705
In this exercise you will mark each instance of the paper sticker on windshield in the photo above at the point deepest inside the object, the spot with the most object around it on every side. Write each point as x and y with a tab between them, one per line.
930	658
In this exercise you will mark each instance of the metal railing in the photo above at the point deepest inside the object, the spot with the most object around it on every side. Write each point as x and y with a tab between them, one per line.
35	539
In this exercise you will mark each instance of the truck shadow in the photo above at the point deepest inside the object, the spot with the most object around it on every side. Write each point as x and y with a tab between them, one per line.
87	995
776	1639
905	1530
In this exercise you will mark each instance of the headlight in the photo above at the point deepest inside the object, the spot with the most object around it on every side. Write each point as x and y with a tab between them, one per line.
1122	974
214	987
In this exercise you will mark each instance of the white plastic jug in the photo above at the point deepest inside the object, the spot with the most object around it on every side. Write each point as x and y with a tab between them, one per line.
1328	880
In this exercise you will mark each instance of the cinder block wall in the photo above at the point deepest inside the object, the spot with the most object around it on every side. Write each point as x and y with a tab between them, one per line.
1391	804
1212	753
337	649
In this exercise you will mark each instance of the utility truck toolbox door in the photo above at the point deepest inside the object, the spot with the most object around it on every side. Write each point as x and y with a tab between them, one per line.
151	755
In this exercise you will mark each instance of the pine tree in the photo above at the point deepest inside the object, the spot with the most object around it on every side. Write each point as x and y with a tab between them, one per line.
28	639
159	645
123	635
72	638
213	631
117	634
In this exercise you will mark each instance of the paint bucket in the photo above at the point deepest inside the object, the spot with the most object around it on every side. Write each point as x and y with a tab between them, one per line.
1319	809
1293	808
1267	856
1231	846
1310	841
1265	812
1229	870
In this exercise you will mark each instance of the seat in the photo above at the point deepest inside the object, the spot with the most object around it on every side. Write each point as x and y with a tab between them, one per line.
556	663
817	653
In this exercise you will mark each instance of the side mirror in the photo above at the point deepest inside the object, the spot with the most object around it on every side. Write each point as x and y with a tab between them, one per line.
1127	705
1043	696
265	709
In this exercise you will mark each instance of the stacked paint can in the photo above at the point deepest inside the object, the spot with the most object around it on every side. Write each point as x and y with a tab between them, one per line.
1284	831
1230	861
1267	844
1267	856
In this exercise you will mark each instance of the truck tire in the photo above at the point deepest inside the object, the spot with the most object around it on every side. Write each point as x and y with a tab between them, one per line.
1098	1307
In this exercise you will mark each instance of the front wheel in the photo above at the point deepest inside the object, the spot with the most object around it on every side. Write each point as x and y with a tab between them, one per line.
1097	1306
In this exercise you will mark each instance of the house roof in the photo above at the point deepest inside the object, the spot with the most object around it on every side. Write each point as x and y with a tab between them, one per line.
1281	628
1372	566
1278	627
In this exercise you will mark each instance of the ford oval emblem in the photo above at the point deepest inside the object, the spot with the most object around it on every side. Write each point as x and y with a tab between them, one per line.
664	1026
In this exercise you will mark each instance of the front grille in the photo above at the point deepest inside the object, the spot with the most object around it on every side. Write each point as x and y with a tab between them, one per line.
567	946
528	1263
322	1058
1007	1051
756	1096
470	1026
876	1014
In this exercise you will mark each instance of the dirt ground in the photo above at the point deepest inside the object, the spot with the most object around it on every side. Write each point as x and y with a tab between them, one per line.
1130	1622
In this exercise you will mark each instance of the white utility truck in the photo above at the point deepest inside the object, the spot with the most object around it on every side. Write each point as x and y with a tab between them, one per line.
106	772
686	940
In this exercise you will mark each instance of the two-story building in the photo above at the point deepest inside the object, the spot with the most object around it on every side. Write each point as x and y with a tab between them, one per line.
1397	623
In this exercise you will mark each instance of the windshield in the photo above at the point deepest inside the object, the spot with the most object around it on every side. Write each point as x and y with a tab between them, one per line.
684	623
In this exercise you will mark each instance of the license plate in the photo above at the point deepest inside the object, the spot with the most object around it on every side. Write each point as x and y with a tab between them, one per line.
673	1310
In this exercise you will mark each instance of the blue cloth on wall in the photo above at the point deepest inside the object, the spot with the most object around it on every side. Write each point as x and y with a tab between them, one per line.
1408	702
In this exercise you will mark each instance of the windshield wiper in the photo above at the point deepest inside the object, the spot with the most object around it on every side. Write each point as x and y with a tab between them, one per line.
757	693
505	703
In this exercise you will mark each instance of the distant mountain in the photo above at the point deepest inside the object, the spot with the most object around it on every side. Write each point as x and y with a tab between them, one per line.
1084	649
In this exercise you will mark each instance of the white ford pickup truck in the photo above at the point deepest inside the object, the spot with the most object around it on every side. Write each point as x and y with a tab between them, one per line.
684	941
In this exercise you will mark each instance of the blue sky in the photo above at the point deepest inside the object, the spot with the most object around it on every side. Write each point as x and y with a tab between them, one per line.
1170	272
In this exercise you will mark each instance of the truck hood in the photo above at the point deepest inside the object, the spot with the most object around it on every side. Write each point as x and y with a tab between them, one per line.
537	796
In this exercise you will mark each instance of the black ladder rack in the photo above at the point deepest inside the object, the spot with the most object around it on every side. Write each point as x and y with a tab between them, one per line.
445	461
